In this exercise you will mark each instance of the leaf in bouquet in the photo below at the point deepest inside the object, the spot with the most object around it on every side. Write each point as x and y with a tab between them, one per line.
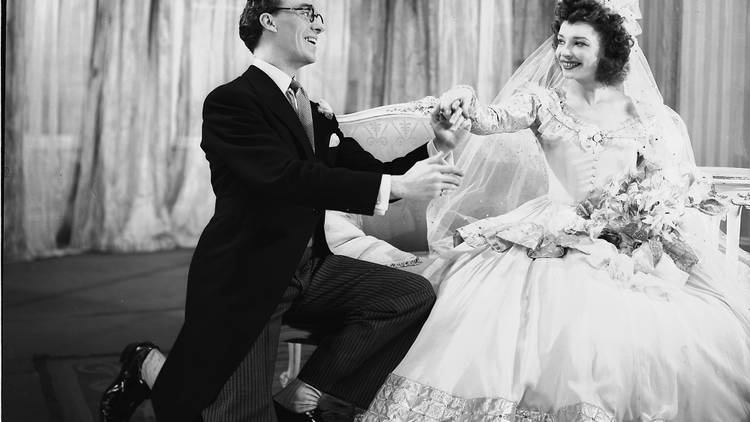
642	234
635	230
712	206
681	253
654	205
639	160
623	188
618	222
657	249
634	209
612	237
547	248
584	209
627	243
589	206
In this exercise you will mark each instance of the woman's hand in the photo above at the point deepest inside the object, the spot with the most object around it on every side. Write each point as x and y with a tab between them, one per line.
460	98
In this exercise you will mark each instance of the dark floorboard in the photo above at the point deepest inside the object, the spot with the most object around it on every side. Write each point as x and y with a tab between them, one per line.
83	305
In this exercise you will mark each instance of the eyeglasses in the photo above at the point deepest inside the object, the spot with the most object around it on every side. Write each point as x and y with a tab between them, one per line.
307	12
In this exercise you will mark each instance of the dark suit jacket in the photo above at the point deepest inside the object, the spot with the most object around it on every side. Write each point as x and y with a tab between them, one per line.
271	193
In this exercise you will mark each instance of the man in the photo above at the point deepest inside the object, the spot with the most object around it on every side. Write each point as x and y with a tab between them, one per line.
275	169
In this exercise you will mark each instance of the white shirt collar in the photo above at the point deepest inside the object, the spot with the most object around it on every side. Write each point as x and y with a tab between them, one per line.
277	75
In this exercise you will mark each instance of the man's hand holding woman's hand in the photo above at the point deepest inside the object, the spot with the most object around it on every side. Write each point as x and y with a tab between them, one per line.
461	98
433	177
451	119
426	180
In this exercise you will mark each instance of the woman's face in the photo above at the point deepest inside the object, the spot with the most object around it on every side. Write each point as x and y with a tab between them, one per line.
577	51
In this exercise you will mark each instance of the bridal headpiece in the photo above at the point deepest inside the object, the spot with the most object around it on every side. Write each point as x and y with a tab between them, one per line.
630	12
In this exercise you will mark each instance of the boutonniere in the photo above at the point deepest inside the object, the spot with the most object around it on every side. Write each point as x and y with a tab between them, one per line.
325	109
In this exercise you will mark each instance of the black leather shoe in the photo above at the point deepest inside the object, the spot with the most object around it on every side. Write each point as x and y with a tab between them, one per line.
128	390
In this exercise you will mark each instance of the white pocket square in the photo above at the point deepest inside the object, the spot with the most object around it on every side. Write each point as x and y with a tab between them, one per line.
335	141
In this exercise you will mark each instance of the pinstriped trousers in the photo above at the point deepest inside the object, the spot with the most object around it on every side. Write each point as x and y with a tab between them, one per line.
374	314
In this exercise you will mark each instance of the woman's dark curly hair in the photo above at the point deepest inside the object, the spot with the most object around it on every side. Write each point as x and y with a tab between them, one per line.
614	38
250	27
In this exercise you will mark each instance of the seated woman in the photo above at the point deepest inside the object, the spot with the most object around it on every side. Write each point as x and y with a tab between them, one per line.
569	308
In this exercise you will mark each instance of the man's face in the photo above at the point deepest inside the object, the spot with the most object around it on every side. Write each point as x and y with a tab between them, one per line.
297	36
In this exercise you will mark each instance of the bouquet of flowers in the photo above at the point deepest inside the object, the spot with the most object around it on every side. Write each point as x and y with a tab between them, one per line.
640	213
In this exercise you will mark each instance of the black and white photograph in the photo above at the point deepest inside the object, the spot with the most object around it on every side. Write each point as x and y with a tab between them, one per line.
375	211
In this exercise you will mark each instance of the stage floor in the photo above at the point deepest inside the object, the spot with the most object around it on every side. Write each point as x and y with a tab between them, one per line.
82	306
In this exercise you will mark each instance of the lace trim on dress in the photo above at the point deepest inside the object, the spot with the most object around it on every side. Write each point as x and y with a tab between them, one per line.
401	399
590	136
563	112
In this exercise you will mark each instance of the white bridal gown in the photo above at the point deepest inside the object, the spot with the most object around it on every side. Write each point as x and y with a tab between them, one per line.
569	339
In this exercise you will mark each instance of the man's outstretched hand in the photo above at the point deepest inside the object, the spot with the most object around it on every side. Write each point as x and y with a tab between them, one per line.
427	179
449	132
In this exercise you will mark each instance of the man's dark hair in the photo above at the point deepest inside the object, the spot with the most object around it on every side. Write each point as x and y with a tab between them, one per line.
614	38
250	27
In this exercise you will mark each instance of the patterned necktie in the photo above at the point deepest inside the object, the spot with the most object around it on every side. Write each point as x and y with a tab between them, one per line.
301	104
297	96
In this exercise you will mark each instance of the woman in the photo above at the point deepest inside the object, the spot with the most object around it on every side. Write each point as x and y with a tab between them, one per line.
571	327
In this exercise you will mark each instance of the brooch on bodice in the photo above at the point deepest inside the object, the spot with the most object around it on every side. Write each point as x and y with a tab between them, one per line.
592	140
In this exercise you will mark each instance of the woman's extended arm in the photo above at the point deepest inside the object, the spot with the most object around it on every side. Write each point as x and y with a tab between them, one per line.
517	113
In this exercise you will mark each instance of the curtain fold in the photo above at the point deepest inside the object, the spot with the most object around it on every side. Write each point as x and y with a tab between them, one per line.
104	97
143	183
714	95
49	47
661	40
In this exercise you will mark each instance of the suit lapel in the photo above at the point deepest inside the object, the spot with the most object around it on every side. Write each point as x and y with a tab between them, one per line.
279	105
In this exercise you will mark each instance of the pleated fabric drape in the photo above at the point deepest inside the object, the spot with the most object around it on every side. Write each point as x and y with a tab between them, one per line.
103	104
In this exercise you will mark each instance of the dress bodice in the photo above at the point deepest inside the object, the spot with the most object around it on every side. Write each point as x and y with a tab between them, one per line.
580	156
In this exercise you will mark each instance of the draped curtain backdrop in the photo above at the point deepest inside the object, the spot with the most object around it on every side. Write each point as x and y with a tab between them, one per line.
103	106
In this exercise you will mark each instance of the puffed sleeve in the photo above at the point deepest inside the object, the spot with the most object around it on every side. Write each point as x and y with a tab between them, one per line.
516	113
